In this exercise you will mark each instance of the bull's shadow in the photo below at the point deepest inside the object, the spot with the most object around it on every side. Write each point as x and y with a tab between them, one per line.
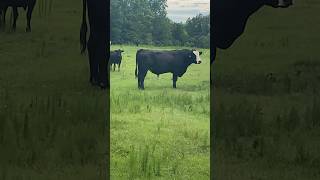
183	87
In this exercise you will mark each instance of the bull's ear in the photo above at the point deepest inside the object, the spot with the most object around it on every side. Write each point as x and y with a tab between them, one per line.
200	52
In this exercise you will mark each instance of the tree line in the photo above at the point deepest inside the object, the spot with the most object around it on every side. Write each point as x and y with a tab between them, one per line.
146	22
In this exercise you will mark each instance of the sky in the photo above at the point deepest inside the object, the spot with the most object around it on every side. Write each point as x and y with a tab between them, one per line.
181	10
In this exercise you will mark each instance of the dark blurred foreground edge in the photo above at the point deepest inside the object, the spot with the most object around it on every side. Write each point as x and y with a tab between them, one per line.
98	48
228	19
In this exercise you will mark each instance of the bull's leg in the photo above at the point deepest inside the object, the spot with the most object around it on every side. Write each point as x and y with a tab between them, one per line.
102	60
141	76
119	67
114	66
4	16
92	63
98	23
15	17
174	79
29	14
139	80
1	19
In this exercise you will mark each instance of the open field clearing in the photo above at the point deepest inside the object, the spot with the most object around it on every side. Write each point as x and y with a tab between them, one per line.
161	132
266	97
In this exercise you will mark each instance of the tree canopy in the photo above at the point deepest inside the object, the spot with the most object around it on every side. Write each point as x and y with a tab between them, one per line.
146	22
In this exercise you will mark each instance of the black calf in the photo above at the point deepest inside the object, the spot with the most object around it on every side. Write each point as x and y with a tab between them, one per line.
115	58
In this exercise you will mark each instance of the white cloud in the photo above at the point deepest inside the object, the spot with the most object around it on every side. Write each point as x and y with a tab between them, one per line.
181	10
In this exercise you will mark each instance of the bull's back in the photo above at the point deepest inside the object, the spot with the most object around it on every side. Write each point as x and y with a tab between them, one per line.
155	61
157	57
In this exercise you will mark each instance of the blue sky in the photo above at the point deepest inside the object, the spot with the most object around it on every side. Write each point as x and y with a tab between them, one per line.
181	10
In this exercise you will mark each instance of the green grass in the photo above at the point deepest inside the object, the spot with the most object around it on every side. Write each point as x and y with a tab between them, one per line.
161	132
52	122
268	128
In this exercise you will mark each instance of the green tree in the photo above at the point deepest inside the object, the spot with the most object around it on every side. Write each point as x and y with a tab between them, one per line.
146	21
199	29
179	34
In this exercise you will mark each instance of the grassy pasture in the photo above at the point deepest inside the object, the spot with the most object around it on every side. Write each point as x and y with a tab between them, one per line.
161	132
52	122
266	97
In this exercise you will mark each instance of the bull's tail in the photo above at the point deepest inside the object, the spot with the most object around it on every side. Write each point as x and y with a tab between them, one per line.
136	71
138	56
84	28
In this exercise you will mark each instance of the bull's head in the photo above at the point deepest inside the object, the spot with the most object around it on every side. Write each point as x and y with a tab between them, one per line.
119	50
197	58
279	3
118	53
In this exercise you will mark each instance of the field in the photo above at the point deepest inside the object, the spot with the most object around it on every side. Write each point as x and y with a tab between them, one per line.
266	98
161	132
52	122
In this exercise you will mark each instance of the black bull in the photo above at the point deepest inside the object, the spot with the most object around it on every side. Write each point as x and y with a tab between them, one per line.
229	18
26	4
159	62
98	43
115	58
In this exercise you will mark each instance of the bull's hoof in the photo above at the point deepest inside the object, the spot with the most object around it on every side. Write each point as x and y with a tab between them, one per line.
103	86
28	29
93	82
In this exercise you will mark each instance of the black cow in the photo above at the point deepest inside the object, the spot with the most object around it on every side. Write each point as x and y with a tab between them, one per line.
99	39
159	62
26	4
115	58
229	18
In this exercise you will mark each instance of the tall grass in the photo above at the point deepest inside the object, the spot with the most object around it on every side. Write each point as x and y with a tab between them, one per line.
300	77
266	98
161	132
49	131
44	7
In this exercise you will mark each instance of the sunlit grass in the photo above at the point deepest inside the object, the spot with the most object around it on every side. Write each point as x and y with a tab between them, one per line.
161	132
